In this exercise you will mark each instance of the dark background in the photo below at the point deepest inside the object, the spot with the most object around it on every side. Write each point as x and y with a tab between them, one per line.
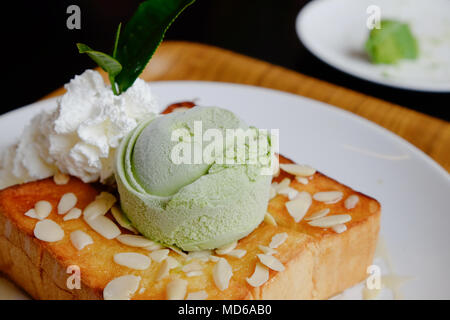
39	52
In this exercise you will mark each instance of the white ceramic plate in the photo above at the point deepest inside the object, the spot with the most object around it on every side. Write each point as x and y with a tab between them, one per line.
412	188
335	31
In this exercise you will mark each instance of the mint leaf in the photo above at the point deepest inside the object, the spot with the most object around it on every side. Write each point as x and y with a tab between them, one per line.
142	35
105	61
134	47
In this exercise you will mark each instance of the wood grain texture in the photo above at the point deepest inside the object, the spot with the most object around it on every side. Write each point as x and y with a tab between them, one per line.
176	60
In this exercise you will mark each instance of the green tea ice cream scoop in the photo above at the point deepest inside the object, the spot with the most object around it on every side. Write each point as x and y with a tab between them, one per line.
196	205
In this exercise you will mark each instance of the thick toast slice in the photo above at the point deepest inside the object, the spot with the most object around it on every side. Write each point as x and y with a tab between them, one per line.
319	263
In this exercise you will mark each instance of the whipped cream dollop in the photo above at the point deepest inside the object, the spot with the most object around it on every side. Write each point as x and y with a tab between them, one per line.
81	135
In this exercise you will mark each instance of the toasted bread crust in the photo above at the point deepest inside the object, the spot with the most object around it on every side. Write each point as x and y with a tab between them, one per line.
319	263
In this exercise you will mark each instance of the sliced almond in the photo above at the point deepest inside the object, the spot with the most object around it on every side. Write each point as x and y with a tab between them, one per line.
222	273
163	271
193	266
80	239
103	226
351	202
271	262
48	230
198	295
179	252
135	241
278	240
330	221
67	202
298	169
339	228
267	250
328	196
202	255
43	209
194	273
275	165
214	258
132	260
122	220
173	263
283	184
291	193
237	253
73	214
227	248
109	197
153	247
302	180
176	289
32	214
61	178
159	255
318	214
121	288
100	206
298	207
259	276
285	191
269	219
168	264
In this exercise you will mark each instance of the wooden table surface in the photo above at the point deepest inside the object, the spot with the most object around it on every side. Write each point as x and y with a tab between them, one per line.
176	60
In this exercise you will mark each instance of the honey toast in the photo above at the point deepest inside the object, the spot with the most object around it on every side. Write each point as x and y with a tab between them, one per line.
318	261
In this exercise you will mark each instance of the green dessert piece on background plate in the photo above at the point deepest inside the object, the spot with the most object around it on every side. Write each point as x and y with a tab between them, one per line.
392	42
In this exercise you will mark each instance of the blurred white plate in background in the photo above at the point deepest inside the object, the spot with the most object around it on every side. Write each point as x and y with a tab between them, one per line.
335	31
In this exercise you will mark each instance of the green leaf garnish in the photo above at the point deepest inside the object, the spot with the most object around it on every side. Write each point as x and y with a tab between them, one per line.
143	34
116	41
105	61
135	46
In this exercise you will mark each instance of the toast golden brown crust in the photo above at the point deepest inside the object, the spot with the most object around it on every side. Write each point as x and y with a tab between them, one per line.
319	263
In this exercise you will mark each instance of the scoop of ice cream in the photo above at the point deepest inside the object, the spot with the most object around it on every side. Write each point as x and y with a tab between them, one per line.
194	206
392	42
152	156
